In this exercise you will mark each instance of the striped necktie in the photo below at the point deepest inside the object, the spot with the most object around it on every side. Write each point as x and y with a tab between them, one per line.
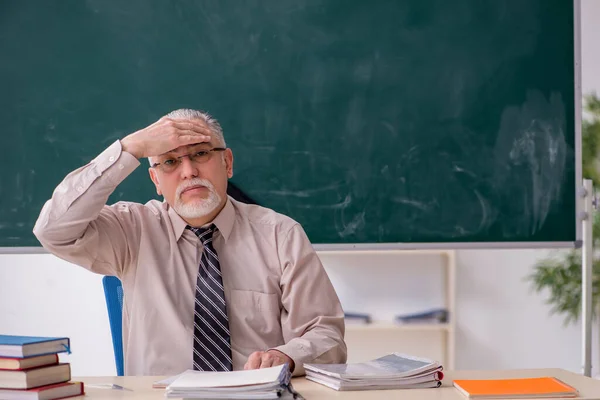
212	342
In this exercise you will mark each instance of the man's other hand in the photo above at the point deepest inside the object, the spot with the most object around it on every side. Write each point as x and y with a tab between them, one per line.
266	359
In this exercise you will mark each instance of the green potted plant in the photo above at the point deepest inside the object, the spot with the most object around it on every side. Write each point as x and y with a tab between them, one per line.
560	273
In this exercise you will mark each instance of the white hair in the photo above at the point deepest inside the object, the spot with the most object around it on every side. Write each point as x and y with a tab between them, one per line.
213	124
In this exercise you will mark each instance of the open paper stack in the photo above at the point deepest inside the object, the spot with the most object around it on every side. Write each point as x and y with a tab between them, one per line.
266	383
394	371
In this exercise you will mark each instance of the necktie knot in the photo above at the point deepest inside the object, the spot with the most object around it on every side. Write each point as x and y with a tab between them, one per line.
203	233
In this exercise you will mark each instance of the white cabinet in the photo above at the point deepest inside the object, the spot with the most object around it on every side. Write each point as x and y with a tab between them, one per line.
360	275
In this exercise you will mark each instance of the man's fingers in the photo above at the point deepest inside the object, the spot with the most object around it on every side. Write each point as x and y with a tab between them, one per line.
267	360
197	126
260	359
254	360
189	131
190	137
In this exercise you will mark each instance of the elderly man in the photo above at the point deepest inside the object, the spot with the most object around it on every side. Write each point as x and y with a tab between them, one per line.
210	283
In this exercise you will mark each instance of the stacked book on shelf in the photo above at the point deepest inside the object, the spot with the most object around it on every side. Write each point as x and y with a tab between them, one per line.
393	371
352	318
430	316
433	316
266	383
30	369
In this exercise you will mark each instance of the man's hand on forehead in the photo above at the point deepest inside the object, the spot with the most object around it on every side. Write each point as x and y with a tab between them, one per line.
165	135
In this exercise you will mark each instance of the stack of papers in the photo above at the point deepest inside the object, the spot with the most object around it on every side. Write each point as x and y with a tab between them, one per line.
394	371
266	383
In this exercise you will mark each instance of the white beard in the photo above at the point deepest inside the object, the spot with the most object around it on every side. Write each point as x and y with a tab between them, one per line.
198	207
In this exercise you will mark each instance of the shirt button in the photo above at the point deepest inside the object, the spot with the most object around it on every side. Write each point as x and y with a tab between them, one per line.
121	166
111	159
80	189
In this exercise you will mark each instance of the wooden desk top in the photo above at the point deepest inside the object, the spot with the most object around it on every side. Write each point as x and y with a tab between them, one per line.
141	387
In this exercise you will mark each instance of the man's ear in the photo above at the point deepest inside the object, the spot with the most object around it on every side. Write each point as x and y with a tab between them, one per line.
229	162
154	178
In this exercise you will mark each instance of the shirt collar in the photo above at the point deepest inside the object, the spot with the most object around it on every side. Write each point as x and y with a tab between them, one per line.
224	221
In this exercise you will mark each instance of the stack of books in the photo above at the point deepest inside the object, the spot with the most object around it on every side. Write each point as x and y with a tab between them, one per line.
30	369
393	371
266	383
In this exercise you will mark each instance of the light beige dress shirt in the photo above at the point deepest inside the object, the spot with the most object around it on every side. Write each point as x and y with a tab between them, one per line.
277	293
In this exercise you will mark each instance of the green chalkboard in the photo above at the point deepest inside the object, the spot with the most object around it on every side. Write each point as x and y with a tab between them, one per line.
416	121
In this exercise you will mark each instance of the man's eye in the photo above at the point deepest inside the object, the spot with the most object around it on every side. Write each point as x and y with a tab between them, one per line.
200	156
169	162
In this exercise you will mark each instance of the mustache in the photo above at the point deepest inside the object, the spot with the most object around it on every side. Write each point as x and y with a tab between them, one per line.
194	182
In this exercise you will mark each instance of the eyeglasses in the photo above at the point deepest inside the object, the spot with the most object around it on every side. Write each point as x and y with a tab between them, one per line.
198	157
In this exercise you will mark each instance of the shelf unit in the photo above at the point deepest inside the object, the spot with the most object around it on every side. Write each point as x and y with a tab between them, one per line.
366	341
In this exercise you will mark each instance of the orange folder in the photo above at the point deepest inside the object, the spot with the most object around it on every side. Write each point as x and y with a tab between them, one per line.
523	388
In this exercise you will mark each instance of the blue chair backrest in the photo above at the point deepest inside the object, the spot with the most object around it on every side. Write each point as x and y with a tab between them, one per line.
113	291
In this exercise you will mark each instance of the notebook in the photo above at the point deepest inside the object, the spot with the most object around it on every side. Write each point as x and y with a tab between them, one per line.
523	388
28	346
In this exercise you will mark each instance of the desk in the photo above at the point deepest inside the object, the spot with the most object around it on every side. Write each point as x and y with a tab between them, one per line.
142	387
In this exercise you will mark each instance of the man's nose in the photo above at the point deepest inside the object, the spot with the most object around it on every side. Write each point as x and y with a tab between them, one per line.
188	168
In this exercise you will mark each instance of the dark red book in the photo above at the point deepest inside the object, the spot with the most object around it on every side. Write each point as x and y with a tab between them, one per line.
49	392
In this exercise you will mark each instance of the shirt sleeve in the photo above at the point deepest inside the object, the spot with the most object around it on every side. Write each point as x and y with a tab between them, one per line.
312	319
77	225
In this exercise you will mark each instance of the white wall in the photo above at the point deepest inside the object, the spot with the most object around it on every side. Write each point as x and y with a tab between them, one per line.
500	324
41	295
